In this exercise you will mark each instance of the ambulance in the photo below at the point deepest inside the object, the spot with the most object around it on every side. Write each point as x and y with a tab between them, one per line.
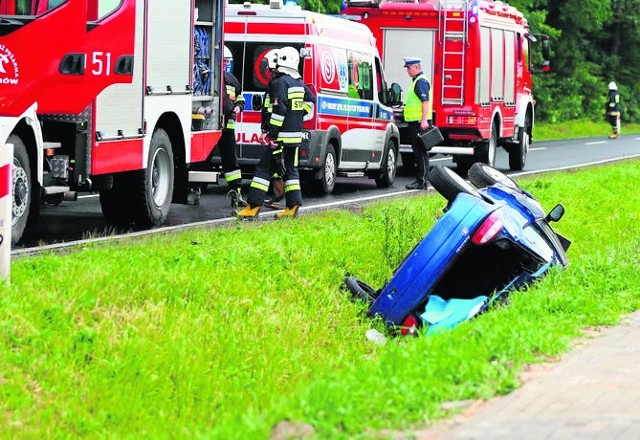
352	131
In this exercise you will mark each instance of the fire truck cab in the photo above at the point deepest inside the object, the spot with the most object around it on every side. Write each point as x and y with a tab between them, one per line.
478	56
119	98
352	131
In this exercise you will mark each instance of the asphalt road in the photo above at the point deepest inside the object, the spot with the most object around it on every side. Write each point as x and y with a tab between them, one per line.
72	221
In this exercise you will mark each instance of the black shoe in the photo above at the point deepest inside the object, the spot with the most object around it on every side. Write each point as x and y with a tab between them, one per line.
193	196
416	185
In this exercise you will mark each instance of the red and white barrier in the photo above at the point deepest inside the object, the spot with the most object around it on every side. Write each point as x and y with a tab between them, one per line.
6	204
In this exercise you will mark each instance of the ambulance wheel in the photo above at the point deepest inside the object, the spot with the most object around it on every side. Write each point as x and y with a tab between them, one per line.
449	184
22	190
115	202
482	175
487	149
327	180
361	290
153	186
389	168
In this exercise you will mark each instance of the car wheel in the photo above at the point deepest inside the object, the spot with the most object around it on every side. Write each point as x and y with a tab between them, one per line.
388	174
154	185
449	184
361	290
22	189
482	175
518	151
327	180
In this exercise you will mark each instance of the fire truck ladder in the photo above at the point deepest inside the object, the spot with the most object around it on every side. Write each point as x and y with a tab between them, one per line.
453	38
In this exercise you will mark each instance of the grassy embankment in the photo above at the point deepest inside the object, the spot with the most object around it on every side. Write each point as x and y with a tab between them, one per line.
577	129
223	333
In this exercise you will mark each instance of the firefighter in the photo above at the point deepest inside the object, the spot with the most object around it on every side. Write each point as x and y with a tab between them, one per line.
417	112
277	184
287	97
233	105
613	109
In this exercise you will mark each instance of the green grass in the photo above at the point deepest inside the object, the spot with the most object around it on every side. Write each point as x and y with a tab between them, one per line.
578	129
222	333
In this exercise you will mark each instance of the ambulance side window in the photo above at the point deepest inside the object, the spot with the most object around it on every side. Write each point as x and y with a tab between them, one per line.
360	75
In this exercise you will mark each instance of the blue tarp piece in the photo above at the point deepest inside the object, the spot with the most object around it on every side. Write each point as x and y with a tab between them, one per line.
443	314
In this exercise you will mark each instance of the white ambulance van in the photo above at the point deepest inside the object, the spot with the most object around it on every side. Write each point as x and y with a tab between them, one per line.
352	132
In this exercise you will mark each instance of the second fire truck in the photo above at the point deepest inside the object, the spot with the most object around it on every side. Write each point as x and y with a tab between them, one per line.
478	56
120	97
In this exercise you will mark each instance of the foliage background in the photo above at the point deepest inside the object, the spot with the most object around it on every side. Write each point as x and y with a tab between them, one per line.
593	42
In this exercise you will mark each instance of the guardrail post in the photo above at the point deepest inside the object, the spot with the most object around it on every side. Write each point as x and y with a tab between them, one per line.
6	204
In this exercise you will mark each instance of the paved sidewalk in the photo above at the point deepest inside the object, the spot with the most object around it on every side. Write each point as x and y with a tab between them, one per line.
592	393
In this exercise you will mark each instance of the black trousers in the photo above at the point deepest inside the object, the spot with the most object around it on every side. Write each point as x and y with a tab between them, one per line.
227	147
420	154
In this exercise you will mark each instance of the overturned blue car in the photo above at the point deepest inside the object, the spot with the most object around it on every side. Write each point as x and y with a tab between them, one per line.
493	238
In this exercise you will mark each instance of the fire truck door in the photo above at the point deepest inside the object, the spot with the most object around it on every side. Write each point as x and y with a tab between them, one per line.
399	43
108	50
40	49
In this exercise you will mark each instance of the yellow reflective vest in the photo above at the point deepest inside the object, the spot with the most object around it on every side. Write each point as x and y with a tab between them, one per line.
413	104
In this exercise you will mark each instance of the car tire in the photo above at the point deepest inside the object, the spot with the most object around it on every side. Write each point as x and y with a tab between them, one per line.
389	167
361	290
449	184
482	175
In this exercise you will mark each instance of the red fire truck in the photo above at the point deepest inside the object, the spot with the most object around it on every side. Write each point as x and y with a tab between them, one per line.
117	97
478	56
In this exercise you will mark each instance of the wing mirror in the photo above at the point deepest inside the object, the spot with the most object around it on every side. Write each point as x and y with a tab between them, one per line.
555	214
395	95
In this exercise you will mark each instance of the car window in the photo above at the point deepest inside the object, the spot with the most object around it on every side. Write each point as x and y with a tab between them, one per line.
360	75
99	9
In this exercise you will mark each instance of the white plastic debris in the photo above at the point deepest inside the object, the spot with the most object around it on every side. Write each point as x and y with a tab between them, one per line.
376	337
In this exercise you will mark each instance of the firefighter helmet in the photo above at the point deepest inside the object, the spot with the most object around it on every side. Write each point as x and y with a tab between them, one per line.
227	54
613	86
272	59
288	60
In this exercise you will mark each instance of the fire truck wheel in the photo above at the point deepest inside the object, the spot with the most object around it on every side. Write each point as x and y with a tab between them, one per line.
482	175
329	170
487	149
518	151
449	184
361	290
154	185
22	189
389	168
115	202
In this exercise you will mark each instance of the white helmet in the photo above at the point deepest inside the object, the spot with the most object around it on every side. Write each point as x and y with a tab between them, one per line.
272	58
227	55
288	60
613	86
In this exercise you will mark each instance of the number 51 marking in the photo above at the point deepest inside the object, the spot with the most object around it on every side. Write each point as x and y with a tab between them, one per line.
101	62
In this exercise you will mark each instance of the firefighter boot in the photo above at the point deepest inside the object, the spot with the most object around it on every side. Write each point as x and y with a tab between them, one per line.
247	213
287	213
236	198
613	135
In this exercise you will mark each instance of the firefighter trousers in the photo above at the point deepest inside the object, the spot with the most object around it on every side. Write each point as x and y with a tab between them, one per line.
264	173
230	168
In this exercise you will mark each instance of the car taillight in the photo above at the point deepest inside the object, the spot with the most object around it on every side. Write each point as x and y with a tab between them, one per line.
410	326
488	229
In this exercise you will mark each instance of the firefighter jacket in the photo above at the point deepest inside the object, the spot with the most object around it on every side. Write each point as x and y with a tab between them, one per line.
613	106
413	102
232	98
289	100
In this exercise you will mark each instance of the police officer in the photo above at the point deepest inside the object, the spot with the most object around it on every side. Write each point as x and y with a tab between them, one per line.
613	109
233	105
287	96
417	112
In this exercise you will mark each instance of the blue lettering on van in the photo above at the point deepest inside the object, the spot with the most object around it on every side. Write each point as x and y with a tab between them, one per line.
344	106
